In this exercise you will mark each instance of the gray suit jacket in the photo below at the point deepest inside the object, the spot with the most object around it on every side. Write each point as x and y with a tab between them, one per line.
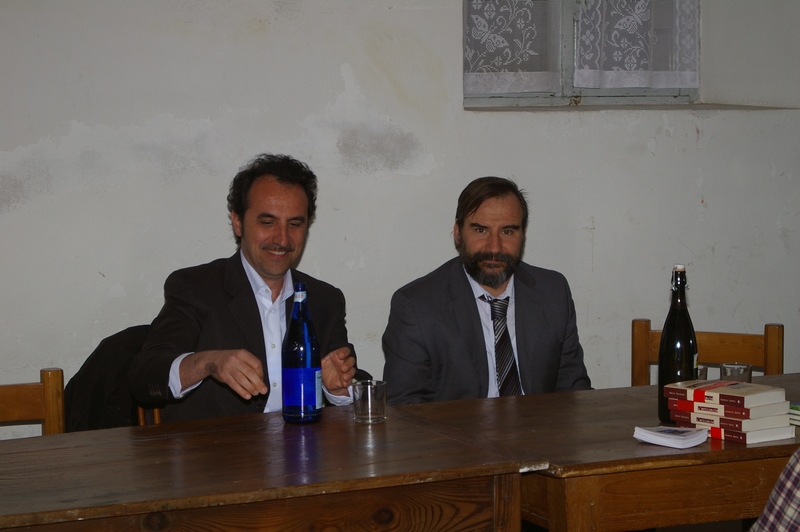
434	346
212	306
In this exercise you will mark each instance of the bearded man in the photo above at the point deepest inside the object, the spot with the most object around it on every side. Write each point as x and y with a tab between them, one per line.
484	324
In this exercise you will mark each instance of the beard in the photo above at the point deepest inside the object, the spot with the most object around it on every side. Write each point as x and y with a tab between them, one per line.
491	277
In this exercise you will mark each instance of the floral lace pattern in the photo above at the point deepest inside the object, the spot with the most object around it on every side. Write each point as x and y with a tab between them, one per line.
506	46
639	43
513	46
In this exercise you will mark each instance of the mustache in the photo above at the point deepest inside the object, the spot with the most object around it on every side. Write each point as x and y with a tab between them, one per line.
481	256
280	249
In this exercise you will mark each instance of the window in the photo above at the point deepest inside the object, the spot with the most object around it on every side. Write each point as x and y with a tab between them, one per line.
520	53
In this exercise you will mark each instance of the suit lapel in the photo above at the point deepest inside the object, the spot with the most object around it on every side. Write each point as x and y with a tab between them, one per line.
529	319
463	308
244	309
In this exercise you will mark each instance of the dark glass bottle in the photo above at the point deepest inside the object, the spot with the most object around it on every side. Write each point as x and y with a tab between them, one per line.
301	366
677	354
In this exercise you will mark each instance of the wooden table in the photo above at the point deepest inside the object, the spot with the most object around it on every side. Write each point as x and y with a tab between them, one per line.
255	472
600	477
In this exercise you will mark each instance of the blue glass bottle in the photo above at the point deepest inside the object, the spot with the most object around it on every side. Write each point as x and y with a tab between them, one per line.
301	366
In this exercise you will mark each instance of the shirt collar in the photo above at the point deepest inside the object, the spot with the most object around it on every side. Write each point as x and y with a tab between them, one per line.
260	287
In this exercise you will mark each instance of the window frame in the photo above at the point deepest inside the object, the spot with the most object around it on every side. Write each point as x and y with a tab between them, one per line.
569	95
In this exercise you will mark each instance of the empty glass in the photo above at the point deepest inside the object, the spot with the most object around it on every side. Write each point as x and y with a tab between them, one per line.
369	401
735	371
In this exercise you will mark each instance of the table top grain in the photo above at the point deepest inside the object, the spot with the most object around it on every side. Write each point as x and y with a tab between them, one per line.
586	432
230	460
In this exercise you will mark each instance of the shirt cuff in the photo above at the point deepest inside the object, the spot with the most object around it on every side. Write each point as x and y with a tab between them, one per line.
175	378
339	400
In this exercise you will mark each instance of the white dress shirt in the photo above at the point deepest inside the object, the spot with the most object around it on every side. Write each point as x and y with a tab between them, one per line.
273	319
485	312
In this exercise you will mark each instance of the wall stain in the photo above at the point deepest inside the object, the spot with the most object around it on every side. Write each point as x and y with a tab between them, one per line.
180	158
12	192
368	147
21	183
93	157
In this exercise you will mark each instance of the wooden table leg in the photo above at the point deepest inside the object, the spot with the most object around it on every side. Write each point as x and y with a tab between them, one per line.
558	504
507	513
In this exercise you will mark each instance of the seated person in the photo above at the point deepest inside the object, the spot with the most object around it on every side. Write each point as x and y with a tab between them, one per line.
484	324
215	348
783	507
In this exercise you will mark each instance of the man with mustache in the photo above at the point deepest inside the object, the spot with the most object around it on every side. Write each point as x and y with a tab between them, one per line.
484	324
215	348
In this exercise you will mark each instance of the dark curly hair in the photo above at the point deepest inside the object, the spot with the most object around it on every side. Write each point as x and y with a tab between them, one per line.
285	169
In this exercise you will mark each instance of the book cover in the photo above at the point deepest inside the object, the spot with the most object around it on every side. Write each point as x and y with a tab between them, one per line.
679	438
755	436
741	425
734	393
737	412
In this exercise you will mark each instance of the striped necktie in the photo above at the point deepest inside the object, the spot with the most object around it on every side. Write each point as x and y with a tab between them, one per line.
507	376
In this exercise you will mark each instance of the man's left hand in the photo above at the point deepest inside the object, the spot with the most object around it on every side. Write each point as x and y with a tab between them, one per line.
338	370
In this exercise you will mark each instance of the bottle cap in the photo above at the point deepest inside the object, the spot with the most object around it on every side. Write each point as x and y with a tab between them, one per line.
679	268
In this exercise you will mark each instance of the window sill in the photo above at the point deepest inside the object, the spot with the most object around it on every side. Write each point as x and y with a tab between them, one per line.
637	104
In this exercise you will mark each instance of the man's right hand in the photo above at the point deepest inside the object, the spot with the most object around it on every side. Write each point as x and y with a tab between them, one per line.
238	368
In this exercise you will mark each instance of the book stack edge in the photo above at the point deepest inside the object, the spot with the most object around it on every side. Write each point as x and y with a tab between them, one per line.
794	413
732	411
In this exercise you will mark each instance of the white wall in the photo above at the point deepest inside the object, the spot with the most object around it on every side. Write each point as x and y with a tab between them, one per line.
123	122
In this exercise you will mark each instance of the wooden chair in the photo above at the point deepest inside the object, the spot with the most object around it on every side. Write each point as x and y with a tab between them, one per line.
36	401
762	351
148	416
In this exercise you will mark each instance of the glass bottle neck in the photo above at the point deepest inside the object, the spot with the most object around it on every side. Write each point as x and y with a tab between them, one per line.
679	287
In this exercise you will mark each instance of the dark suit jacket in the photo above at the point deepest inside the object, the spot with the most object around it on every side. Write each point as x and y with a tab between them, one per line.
434	345
98	395
212	306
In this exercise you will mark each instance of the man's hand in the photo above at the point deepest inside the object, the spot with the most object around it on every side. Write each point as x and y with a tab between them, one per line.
238	368
338	370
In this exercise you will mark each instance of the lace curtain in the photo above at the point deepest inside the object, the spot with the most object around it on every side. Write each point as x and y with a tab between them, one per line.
513	46
640	43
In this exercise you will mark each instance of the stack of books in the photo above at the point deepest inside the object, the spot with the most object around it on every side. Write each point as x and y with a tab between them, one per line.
731	410
794	413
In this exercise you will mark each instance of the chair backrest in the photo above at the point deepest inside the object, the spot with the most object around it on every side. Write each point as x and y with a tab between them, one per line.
763	351
36	401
